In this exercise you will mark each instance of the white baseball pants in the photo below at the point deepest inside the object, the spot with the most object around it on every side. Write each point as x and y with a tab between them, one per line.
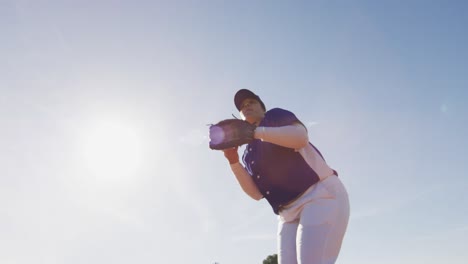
311	230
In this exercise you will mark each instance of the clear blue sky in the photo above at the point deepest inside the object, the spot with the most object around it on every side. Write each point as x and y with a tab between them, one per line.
104	107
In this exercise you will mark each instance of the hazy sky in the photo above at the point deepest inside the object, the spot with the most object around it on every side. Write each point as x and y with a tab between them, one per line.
104	107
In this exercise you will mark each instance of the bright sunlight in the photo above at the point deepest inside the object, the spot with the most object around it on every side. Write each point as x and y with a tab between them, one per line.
112	149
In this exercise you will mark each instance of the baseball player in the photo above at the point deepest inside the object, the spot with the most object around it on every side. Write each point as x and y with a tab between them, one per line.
282	166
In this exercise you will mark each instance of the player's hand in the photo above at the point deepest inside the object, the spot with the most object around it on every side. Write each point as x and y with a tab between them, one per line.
230	133
231	155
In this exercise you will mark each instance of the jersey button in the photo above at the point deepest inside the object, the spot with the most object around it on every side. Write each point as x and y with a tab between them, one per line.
253	161
267	192
258	176
250	149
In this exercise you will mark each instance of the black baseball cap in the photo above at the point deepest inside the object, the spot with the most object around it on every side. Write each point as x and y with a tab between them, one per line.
243	94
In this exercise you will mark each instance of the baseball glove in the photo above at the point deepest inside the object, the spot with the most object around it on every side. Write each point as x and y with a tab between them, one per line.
231	133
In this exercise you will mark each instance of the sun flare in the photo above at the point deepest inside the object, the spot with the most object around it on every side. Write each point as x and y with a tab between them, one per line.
112	149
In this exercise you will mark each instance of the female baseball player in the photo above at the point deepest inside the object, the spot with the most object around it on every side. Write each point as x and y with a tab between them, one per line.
282	166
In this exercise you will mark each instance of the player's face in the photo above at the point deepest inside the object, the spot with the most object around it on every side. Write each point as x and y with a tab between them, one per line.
252	111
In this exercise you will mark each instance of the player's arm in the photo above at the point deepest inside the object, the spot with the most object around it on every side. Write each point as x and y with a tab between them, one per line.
246	182
291	136
243	177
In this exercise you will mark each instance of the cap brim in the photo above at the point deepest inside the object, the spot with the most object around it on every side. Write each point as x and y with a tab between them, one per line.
243	94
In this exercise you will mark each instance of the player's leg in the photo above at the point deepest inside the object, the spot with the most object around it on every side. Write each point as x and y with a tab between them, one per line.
322	226
287	242
337	233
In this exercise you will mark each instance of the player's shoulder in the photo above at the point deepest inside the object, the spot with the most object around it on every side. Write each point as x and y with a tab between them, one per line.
278	117
277	112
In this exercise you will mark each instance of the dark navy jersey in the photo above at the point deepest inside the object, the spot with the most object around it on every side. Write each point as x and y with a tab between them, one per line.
282	174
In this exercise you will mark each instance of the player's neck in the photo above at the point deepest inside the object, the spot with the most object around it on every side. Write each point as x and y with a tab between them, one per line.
256	122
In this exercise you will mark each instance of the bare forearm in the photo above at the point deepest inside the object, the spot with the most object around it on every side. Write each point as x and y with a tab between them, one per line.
292	136
245	181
